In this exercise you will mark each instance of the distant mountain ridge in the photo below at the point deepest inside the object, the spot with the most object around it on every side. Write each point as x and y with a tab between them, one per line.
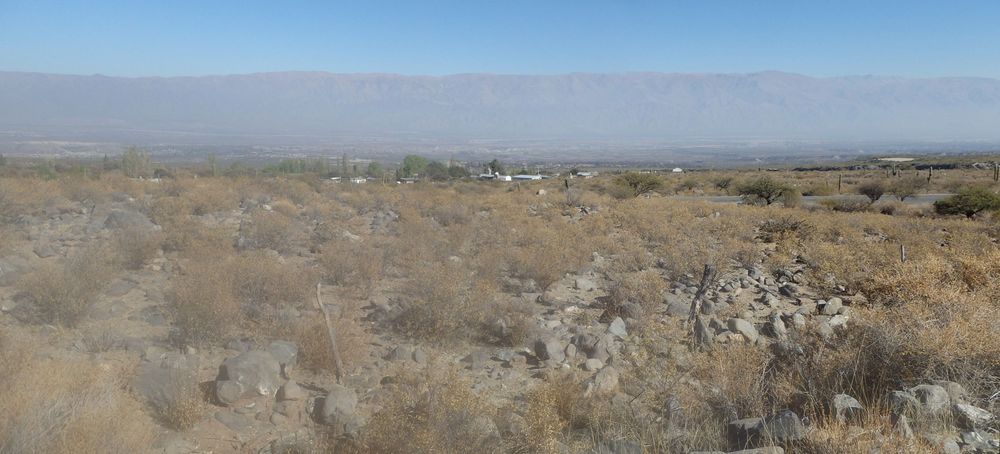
627	105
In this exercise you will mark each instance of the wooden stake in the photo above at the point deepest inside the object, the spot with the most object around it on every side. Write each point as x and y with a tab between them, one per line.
902	253
706	280
331	331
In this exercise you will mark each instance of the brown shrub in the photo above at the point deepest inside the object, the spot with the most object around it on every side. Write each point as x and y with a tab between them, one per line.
57	406
62	293
268	230
445	302
134	246
431	412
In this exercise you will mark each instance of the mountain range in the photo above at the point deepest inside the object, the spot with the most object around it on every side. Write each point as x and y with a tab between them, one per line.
627	106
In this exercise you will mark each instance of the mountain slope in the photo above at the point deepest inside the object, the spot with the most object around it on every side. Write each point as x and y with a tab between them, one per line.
632	105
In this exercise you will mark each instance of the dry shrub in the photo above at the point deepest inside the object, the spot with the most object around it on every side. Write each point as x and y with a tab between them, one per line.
215	299
62	293
187	406
134	246
941	315
445	302
545	252
268	230
66	406
314	344
352	264
286	208
206	309
645	288
430	412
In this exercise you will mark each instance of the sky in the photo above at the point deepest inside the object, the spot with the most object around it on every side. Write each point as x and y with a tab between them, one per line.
823	38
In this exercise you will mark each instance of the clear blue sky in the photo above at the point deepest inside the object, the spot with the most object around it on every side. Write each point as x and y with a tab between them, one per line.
816	37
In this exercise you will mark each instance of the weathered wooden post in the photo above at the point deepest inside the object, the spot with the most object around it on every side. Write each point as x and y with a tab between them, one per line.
840	182
707	277
930	173
902	253
331	332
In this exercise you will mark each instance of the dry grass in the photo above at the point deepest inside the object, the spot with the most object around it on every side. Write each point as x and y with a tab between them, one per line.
56	406
62	293
431	412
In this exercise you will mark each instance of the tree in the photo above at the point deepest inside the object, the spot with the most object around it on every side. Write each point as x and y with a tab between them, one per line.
457	172
724	183
969	201
639	183
872	189
135	163
436	171
905	188
413	164
495	166
374	169
764	190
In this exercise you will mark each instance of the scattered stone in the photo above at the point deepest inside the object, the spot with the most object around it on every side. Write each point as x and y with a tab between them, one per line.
901	424
785	427
933	398
234	422
971	417
593	364
832	306
605	381
847	408
584	284
741	326
338	410
618	447
287	354
256	372
617	328
744	432
550	349
291	391
903	403
228	392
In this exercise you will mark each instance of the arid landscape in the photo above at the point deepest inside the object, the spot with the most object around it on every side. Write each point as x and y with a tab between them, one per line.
625	313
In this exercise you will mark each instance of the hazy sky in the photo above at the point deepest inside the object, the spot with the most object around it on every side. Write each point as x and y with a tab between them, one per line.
815	37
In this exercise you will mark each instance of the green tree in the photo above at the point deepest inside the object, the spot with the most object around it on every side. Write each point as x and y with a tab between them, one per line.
374	170
495	166
969	201
414	165
436	171
639	183
872	189
457	172
135	163
764	190
907	187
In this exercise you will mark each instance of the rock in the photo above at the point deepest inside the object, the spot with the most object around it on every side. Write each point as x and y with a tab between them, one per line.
228	392
278	419
776	327
287	354
593	364
971	417
979	441
903	403
44	250
901	425
605	381
617	328
933	398
738	325
847	408
167	382
789	290
400	353
678	307
234	422
831	307
338	410
956	392
744	432
476	360
119	287
764	450
703	335
550	349
618	447
837	321
785	427
120	219
291	391
256	372
419	356
584	284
